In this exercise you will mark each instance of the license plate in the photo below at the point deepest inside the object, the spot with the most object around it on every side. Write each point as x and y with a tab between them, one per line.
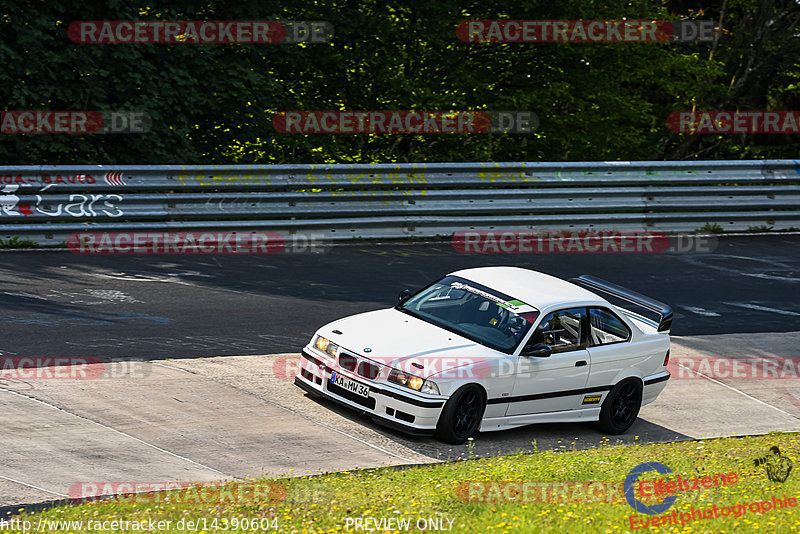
350	385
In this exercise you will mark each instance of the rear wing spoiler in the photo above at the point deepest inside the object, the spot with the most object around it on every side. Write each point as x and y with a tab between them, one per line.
597	284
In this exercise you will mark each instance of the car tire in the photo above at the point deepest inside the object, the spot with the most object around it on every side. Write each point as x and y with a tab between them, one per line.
461	415
621	407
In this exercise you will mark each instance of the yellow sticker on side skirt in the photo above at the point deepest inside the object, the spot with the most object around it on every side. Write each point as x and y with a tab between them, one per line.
591	399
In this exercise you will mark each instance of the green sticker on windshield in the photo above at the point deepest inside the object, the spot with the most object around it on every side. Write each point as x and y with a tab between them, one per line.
512	305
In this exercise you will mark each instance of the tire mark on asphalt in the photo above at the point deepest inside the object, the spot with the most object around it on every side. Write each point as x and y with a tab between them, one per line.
788	274
757	307
701	311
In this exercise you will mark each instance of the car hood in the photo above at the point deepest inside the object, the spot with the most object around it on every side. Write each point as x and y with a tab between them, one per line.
397	339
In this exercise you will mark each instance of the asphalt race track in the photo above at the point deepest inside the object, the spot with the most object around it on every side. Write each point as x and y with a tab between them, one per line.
156	307
195	354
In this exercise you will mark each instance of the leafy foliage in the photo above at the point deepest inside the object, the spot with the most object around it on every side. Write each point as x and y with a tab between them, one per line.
213	103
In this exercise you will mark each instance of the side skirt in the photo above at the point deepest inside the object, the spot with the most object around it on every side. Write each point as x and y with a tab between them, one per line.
515	421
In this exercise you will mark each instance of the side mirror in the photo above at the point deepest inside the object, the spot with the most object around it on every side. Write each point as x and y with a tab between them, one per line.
540	350
403	295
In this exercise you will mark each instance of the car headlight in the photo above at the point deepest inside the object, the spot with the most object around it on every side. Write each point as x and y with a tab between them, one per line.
414	382
325	345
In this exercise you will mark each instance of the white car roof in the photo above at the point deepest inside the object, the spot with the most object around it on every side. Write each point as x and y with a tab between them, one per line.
531	287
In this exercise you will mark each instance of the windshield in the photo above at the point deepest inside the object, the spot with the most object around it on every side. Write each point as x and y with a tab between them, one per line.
473	311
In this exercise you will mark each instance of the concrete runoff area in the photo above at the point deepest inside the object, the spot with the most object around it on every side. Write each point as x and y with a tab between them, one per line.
236	417
719	403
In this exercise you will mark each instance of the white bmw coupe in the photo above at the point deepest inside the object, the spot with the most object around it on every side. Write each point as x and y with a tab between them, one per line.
494	348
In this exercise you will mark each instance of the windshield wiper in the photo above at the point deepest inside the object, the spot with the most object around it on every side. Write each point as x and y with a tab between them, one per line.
411	313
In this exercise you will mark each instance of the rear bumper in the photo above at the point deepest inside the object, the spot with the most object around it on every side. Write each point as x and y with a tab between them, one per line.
653	386
386	405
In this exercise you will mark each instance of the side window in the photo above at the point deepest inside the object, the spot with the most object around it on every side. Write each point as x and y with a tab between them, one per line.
561	330
605	327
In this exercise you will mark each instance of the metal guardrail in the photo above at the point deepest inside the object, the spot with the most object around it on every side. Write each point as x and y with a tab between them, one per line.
46	204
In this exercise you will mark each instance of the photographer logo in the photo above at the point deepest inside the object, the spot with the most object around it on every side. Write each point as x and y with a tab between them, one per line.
775	464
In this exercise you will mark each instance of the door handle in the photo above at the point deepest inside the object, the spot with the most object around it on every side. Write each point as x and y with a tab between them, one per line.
580	363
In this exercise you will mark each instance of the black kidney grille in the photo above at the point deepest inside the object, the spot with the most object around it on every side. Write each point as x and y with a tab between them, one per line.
347	362
368	370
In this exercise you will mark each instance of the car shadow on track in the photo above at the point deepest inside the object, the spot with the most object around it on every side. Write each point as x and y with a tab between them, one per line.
522	440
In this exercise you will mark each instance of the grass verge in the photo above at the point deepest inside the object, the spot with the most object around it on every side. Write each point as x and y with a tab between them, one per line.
545	491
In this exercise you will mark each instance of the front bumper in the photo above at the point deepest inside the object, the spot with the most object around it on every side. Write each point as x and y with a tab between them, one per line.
386	404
